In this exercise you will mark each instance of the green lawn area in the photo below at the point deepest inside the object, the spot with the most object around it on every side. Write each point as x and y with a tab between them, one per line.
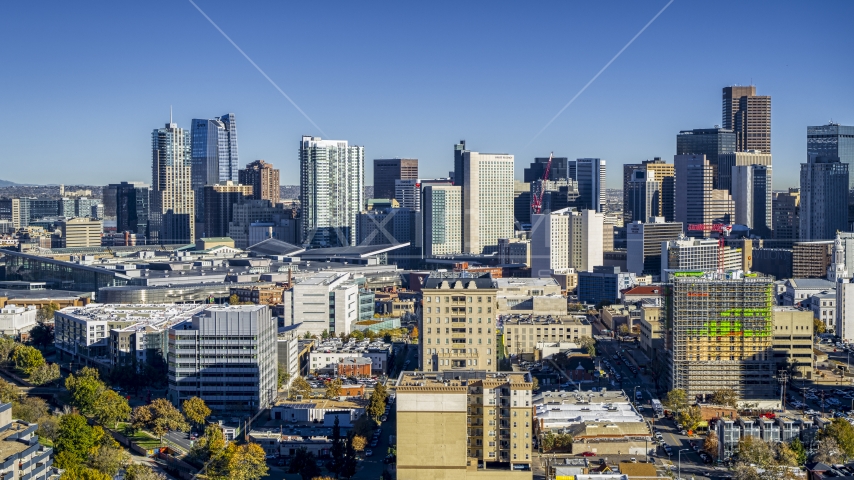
140	438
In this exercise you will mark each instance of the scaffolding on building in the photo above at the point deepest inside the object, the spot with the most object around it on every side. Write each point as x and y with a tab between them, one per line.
721	334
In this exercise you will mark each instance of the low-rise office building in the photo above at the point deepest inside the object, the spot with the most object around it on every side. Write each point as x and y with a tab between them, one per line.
603	284
325	302
318	410
259	294
326	357
464	424
109	335
225	355
526	296
524	334
17	321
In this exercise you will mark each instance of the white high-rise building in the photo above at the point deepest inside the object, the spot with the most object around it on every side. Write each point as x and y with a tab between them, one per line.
487	200
441	212
591	176
332	181
566	239
697	254
172	199
326	301
752	196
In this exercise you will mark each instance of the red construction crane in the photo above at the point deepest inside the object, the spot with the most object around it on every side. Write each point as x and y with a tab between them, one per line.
722	230
537	199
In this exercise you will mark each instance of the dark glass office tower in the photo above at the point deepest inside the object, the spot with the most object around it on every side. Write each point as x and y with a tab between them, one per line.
710	142
131	207
824	180
558	171
386	171
834	140
214	150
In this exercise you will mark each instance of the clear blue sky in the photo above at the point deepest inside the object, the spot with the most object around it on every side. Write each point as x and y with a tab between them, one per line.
84	83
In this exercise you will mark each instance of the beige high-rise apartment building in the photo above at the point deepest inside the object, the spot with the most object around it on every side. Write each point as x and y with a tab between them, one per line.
263	178
749	116
487	200
457	323
172	205
792	345
465	425
81	232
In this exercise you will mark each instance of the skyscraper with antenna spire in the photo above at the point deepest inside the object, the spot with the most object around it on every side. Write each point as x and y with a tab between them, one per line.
172	199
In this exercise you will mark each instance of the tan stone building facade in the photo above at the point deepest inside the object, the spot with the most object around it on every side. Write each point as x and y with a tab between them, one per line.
465	425
457	323
523	334
792	341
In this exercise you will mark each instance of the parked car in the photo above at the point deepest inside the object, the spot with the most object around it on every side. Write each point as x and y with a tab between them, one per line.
369	452
588	454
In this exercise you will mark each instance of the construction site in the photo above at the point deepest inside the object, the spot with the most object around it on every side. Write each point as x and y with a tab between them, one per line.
720	334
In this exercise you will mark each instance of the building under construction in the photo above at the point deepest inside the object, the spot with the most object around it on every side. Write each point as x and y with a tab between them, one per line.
720	329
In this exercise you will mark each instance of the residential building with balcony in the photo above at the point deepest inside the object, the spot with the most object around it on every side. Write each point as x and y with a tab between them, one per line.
465	425
457	322
22	457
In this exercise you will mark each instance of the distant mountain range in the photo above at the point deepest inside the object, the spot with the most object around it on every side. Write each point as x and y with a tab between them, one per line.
6	183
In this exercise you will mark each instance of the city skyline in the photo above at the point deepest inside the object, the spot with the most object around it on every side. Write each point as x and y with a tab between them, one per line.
410	113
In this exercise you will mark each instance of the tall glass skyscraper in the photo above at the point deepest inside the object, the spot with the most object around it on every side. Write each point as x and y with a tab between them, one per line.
332	181
710	142
591	183
835	140
214	155
172	201
214	150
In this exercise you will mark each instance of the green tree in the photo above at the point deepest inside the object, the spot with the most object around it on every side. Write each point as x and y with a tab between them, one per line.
337	449
799	450
159	418
138	471
233	299
41	335
300	386
376	404
74	440
359	443
8	392
358	335
843	433
676	400
588	344
46	312
755	451
7	345
111	408
828	451
536	383
725	396
710	445
210	445
691	417
196	410
30	409
48	427
109	459
44	374
305	464
81	472
818	326
85	388
333	388
27	358
548	441
785	456
239	462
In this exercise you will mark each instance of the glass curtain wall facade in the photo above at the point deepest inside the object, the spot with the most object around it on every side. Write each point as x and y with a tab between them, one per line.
834	140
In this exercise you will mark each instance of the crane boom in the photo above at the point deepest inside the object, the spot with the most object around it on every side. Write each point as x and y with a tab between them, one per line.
537	199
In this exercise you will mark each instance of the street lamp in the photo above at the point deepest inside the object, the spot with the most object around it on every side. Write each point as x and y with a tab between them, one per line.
679	471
